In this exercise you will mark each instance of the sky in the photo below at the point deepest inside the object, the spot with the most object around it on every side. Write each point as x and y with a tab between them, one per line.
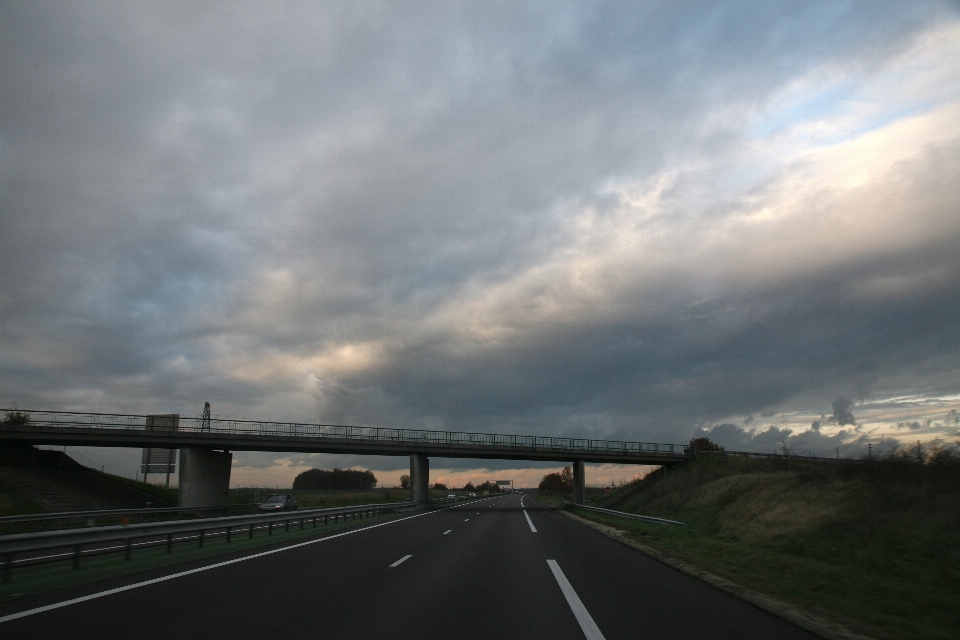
645	220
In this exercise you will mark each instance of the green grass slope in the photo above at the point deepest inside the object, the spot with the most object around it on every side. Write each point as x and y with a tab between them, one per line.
873	546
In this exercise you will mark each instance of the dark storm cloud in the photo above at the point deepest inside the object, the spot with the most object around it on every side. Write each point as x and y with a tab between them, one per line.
518	217
841	411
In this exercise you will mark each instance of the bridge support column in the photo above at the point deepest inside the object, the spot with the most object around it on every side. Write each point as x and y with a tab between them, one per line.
204	477
419	478
578	481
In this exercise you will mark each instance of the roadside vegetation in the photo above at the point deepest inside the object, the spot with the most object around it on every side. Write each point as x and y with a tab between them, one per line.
874	545
354	479
15	503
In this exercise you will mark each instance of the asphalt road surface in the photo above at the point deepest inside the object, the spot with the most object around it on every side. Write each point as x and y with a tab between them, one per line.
489	569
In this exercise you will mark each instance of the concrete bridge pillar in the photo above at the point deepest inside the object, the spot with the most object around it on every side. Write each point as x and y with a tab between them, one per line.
419	478
204	477
578	482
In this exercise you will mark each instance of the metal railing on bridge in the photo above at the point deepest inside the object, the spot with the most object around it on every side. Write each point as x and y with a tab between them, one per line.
344	432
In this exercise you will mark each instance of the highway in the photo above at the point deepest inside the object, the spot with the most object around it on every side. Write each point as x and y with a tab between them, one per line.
488	569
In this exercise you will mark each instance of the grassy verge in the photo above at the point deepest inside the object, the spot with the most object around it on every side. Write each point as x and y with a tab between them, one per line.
168	495
14	503
877	550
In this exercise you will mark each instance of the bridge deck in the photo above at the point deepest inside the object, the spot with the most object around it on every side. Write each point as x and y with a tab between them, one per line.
113	430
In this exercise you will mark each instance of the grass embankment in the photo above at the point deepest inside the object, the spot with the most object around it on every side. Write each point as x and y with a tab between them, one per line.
875	547
15	503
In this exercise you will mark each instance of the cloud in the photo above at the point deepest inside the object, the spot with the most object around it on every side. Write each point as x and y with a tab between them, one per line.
773	439
841	411
583	219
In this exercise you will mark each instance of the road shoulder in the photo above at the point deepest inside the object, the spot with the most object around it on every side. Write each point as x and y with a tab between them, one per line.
823	628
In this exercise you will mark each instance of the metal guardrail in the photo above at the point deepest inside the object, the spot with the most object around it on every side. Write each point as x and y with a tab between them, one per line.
71	542
632	516
251	427
103	513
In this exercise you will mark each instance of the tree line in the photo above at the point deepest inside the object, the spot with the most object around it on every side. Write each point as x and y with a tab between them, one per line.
321	479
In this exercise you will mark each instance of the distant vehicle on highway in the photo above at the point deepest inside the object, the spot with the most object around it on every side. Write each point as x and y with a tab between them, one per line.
473	495
279	502
452	495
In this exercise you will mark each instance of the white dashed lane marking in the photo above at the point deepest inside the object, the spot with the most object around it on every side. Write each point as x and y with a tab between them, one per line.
589	627
529	521
401	560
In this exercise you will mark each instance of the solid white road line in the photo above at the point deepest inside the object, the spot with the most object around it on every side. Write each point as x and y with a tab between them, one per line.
108	592
447	531
529	521
589	627
401	560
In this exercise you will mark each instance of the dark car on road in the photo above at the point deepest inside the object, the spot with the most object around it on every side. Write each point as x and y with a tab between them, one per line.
279	502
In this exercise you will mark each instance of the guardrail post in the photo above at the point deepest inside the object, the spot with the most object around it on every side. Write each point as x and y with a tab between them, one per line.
7	567
286	526
76	557
201	537
128	549
251	532
228	533
270	528
169	542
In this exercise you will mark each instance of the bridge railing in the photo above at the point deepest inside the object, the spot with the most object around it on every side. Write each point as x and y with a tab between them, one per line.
346	432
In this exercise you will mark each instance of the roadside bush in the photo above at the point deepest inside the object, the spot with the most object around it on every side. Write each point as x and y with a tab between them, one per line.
16	419
561	482
348	479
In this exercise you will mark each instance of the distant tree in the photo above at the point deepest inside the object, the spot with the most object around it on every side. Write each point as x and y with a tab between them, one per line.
15	419
469	487
350	479
404	482
440	487
561	482
704	444
489	487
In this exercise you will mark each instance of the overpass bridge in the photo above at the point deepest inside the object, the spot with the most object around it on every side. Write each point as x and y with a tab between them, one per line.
205	445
